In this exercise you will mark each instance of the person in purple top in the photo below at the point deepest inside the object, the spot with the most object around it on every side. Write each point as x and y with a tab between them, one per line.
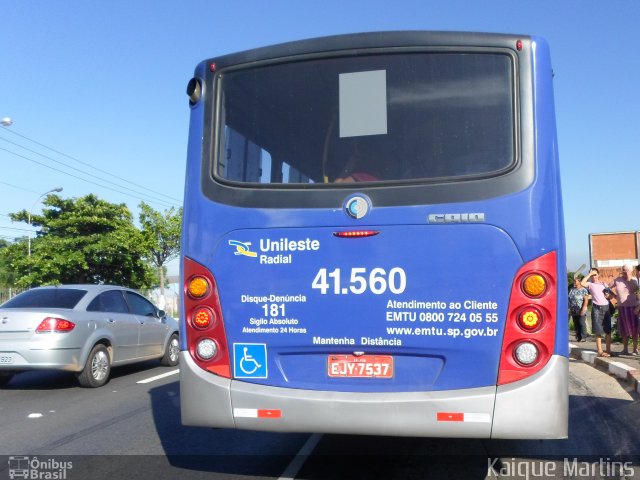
626	287
600	316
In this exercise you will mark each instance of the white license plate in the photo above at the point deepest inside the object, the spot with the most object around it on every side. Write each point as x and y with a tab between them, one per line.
363	366
6	358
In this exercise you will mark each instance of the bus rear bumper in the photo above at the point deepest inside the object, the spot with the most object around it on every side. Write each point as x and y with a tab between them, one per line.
213	401
537	407
205	398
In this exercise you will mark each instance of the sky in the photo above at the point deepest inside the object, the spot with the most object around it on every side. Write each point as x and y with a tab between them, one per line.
96	91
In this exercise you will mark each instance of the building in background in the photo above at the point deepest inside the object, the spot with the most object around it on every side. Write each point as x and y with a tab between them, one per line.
608	252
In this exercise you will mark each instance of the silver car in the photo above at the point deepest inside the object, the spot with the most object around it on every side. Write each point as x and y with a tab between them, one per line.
85	329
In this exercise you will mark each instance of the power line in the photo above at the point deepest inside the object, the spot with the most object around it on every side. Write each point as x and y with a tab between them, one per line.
20	188
80	171
14	228
13	132
84	179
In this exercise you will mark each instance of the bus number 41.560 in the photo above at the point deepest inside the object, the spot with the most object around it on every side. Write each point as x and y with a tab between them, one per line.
377	281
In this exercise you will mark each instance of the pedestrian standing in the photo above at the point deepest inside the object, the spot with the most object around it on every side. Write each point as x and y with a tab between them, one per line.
600	315
626	287
578	302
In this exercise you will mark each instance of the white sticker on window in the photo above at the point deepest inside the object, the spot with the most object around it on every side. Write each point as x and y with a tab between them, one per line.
363	103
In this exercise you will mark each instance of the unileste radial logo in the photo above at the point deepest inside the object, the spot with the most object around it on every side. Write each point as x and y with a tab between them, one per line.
275	251
242	248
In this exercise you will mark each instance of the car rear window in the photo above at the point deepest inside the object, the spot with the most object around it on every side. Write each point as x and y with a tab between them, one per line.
47	298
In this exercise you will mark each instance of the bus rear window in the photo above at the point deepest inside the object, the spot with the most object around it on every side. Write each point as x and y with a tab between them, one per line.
414	117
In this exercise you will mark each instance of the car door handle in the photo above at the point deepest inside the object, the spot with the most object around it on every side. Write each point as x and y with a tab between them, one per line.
111	320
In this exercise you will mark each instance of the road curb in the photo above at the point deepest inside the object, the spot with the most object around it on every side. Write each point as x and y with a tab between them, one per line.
610	365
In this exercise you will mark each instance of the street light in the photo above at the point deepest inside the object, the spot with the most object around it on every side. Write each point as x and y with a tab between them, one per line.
6	122
57	189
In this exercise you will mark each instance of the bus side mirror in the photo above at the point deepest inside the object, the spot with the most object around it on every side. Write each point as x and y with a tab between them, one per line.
194	91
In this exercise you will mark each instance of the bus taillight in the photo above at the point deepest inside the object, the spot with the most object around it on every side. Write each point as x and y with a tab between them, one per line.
534	285
206	349
203	317
206	338
530	319
526	353
197	287
356	234
529	335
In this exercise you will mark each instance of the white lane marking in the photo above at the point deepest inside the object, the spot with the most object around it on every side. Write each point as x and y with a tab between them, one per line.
298	461
34	415
158	377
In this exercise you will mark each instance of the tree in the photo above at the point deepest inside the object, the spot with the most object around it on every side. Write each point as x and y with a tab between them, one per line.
84	240
7	278
161	234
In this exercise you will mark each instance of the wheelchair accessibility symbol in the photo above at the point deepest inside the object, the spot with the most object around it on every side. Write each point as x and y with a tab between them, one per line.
250	360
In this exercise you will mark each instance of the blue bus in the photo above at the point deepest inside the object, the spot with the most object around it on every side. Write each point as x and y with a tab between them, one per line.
373	239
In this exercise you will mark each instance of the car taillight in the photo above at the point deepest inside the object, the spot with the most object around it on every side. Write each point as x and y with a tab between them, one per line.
51	324
205	334
529	335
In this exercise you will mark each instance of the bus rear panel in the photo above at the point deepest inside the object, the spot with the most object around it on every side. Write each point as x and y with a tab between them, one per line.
373	239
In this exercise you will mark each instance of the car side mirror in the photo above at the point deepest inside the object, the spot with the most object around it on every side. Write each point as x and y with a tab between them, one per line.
162	314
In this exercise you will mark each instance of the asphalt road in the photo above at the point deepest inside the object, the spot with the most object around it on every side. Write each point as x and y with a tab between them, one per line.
129	429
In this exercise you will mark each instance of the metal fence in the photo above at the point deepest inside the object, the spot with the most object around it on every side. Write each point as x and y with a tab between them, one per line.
7	293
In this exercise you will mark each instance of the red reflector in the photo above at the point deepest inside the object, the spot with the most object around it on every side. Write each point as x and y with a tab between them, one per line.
269	413
222	370
51	324
519	45
213	67
356	234
450	417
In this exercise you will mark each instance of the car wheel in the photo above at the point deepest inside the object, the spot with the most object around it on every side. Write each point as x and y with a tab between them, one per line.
5	379
96	370
172	352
